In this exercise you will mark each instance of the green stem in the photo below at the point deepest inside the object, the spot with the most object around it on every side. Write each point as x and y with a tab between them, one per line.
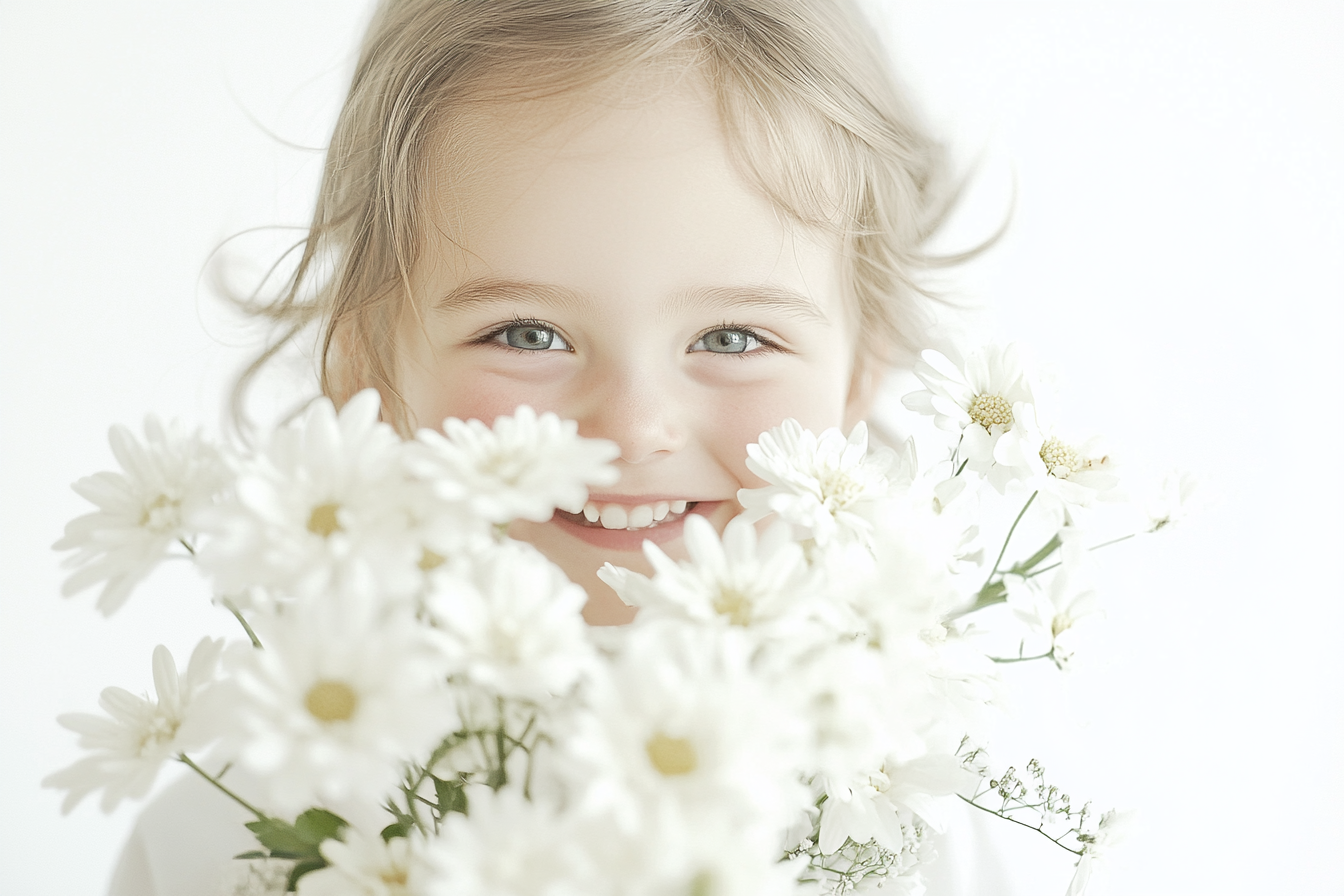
229	605
184	758
1023	512
1021	659
1039	830
1046	550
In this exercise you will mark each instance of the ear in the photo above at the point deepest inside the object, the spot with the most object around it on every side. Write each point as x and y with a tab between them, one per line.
863	385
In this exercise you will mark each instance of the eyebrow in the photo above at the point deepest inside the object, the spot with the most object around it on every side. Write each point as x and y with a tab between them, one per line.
765	297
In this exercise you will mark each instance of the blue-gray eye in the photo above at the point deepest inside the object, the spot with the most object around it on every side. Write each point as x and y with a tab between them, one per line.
532	337
727	341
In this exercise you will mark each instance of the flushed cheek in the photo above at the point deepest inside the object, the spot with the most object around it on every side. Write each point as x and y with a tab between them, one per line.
468	394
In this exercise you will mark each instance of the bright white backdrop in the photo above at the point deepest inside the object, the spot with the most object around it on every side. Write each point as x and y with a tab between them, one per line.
1177	250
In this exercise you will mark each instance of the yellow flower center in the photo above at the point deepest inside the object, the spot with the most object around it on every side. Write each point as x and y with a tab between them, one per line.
734	604
323	520
991	410
429	560
838	488
160	731
1061	461
331	701
161	515
671	755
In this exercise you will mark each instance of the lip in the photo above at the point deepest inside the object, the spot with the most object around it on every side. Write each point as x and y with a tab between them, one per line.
632	540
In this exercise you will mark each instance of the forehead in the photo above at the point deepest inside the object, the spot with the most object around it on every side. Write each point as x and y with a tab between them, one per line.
623	189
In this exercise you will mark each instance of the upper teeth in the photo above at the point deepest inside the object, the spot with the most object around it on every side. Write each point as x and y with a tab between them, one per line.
641	516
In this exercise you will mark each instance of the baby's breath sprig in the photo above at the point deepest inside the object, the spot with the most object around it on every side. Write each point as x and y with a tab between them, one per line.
1030	802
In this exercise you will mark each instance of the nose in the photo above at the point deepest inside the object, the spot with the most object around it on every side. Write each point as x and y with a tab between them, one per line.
636	408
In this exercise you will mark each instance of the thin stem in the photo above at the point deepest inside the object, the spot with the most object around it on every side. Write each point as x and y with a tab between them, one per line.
1045	551
1105	544
184	758
1039	830
229	605
1004	549
1021	659
190	550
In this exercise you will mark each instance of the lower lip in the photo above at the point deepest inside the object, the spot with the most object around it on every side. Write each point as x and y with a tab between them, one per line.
633	540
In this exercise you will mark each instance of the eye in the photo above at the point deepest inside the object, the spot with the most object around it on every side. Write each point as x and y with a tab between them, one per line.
530	335
727	341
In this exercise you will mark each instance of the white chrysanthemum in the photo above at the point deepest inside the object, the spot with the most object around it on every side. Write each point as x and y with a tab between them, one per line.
141	734
682	731
510	845
142	511
1076	473
881	805
822	483
324	508
514	623
369	866
978	399
523	467
1053	610
763	584
340	696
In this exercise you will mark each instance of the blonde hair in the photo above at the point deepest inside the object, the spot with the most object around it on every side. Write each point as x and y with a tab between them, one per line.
805	94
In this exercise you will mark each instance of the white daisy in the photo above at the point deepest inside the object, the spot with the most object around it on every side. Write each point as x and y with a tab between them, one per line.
1053	611
325	507
882	805
1077	473
361	865
341	695
761	583
681	731
978	399
821	483
142	733
513	622
523	467
142	511
510	845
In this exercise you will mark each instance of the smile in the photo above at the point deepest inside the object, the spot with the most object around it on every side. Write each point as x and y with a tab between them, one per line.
621	516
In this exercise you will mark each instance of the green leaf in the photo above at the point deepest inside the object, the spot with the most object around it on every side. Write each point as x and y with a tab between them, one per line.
451	796
396	829
282	839
253	854
302	868
319	824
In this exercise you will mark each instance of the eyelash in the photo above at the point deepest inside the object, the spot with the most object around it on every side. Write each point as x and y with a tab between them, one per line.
492	336
764	344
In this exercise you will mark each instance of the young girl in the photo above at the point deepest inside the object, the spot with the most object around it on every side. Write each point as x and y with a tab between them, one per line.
677	222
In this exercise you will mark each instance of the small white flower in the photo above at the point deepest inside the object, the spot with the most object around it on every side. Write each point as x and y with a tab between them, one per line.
758	583
1176	498
1111	830
821	483
361	865
1054	611
523	467
340	696
513	622
142	511
141	734
324	508
979	399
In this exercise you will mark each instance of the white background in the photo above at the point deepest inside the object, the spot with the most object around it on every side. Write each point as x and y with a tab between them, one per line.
1177	250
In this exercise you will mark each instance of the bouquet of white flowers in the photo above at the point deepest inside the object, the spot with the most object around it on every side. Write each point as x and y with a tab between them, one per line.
793	710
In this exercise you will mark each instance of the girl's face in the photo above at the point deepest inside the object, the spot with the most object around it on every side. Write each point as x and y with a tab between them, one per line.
603	259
